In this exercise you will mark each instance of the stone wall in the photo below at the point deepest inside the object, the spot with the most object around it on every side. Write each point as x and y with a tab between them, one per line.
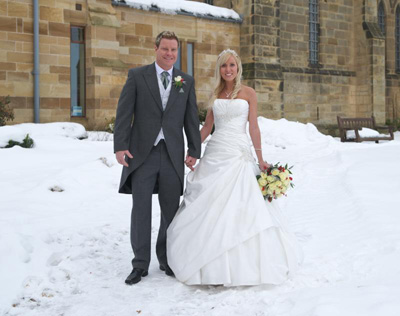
355	77
392	78
116	39
317	93
16	57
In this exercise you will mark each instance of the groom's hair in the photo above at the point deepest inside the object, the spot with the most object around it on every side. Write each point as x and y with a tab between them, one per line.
166	35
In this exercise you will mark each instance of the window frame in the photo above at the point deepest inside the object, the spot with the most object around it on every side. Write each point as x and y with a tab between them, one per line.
382	17
183	57
83	42
313	33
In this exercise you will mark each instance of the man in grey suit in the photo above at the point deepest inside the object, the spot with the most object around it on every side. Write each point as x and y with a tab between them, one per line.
153	109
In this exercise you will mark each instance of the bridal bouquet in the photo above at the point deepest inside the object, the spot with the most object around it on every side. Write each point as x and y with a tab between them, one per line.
275	181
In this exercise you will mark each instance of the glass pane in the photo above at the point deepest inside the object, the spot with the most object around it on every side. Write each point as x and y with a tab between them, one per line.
77	79
190	58
76	34
313	31
177	64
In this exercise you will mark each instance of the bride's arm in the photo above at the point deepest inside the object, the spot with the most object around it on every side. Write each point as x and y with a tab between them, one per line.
254	129
208	125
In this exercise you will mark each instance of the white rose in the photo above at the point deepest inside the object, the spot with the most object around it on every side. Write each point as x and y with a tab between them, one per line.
178	78
262	182
270	179
275	172
282	176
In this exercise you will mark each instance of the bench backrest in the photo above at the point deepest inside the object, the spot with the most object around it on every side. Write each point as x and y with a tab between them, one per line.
358	122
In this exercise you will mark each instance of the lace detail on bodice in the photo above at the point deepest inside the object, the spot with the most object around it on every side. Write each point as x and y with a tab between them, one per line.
235	112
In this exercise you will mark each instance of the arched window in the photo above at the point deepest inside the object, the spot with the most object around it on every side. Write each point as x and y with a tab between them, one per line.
397	38
313	32
382	17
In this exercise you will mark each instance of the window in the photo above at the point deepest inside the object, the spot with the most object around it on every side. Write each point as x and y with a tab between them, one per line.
382	17
77	71
397	35
209	2
185	60
313	32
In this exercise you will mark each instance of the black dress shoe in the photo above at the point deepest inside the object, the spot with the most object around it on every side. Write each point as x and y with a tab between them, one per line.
167	270
135	276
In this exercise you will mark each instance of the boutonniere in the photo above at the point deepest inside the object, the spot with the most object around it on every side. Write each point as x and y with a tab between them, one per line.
178	83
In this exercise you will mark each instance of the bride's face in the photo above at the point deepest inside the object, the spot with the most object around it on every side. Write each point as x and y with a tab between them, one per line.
229	69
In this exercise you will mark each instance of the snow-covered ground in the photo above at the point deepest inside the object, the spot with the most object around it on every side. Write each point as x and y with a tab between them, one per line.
68	253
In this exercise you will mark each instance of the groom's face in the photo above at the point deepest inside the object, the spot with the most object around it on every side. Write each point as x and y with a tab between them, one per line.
166	53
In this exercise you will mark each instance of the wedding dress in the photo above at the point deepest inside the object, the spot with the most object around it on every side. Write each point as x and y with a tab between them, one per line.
224	231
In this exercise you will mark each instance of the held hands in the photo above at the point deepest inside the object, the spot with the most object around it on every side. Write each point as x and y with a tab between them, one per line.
120	155
190	162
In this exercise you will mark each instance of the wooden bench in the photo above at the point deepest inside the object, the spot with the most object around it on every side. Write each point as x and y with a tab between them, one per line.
356	124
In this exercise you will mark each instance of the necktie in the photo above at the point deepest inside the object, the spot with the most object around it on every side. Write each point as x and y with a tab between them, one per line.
164	79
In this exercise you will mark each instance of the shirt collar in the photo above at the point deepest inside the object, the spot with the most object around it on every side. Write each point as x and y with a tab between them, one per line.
160	70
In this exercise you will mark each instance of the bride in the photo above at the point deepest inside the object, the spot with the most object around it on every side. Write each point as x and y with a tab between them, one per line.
224	231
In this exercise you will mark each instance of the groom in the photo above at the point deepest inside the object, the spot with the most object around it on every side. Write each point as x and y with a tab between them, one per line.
153	109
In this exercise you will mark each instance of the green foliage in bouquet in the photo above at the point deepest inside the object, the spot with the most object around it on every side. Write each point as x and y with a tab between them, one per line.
6	113
26	143
274	181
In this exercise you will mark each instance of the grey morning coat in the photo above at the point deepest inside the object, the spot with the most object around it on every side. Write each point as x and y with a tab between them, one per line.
140	101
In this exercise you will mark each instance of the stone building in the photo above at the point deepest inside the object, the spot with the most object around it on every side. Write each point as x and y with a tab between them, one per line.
308	60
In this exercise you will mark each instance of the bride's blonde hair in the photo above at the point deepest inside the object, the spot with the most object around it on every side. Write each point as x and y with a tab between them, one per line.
219	82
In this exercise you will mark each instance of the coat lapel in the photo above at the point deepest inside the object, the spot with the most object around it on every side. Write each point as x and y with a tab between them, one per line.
151	80
173	93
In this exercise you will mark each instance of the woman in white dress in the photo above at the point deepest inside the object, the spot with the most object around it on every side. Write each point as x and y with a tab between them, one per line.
224	231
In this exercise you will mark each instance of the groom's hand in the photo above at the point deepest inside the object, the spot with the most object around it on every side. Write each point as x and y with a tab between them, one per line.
120	155
190	162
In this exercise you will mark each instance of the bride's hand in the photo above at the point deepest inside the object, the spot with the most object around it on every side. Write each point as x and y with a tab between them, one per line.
263	165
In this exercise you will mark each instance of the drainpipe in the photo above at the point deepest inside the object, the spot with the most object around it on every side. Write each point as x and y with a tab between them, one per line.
35	72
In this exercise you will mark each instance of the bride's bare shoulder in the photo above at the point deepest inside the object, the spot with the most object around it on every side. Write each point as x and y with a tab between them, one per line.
247	92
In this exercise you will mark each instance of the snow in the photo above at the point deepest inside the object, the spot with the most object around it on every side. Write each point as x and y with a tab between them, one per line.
67	252
174	6
364	132
11	133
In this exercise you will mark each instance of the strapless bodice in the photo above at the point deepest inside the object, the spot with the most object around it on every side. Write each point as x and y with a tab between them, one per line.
231	114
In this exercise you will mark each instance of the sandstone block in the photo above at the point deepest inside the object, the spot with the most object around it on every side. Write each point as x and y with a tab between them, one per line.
75	17
19	57
49	103
8	24
143	29
59	29
17	76
59	70
17	9
25	67
64	60
104	19
59	50
48	59
51	14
